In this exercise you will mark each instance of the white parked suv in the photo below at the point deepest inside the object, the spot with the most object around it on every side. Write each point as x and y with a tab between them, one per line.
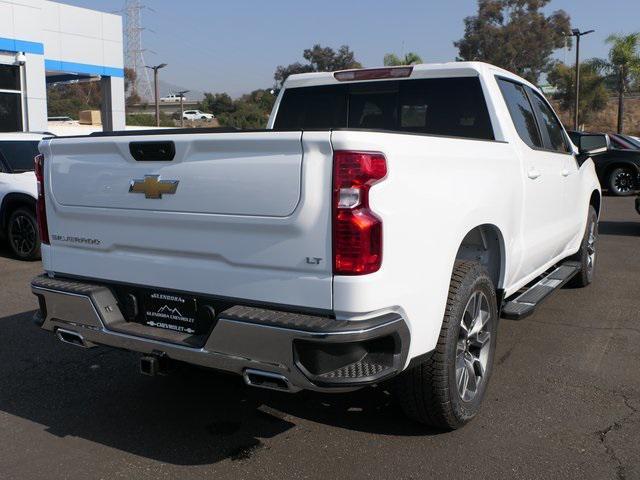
376	230
18	193
197	115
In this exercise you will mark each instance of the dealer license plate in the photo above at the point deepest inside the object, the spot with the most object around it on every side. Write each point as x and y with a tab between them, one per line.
170	311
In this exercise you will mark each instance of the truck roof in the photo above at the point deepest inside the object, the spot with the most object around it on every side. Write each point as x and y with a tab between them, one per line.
422	70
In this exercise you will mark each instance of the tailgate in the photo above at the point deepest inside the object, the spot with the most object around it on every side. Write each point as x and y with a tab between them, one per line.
240	215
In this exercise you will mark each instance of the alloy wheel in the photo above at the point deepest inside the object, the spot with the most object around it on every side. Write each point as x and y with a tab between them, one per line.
623	182
473	346
591	247
23	235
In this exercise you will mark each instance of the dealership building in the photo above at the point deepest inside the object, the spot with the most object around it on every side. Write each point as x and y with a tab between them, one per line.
43	42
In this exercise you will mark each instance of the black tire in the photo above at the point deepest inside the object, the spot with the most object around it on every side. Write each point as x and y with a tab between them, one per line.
23	235
429	392
203	118
621	182
587	253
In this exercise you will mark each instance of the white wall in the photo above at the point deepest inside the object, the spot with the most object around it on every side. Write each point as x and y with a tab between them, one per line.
21	19
78	35
59	37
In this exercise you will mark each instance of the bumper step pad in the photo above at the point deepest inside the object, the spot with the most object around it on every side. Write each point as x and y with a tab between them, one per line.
306	323
525	304
357	370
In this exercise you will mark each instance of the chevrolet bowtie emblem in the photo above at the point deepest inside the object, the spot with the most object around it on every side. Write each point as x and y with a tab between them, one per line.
153	187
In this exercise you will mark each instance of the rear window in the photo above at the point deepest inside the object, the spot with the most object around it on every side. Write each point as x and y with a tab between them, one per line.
19	155
437	106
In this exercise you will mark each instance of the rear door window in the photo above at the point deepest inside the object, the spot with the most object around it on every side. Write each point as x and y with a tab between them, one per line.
521	112
440	106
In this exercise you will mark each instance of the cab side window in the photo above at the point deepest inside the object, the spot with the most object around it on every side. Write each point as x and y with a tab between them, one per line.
521	112
552	133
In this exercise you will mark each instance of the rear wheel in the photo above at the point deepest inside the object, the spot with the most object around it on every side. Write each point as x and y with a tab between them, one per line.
23	236
621	181
446	390
587	253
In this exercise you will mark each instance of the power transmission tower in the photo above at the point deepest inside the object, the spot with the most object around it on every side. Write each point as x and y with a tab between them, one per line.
134	53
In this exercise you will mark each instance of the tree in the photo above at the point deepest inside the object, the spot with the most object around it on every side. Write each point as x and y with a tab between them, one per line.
217	103
283	72
130	77
327	60
624	65
515	35
593	92
320	59
247	115
263	99
68	99
392	60
249	111
133	99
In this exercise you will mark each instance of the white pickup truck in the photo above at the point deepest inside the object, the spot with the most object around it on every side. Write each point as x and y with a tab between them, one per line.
379	227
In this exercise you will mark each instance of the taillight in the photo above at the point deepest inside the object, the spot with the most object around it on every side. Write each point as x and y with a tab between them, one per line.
357	231
41	210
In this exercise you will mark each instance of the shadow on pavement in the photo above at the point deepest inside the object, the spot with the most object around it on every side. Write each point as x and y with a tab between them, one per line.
191	417
629	229
4	249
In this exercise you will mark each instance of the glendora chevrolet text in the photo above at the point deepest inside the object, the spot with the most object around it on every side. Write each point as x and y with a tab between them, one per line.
375	232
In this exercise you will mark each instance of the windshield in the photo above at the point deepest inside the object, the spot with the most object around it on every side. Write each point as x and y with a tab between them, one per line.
634	142
436	106
19	155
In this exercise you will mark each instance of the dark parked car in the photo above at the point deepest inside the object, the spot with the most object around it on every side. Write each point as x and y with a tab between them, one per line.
624	142
619	167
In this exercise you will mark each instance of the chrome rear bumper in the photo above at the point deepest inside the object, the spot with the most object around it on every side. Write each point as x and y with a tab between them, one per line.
308	352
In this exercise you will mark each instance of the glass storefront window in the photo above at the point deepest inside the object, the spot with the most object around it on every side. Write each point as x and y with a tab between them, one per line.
10	99
10	112
9	77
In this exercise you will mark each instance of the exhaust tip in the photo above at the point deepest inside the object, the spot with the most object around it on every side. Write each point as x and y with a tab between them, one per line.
71	337
268	380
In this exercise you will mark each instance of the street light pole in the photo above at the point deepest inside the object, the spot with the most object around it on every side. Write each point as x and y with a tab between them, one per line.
577	33
182	94
157	91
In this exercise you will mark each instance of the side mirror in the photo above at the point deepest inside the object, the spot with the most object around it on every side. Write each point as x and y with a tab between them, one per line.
591	144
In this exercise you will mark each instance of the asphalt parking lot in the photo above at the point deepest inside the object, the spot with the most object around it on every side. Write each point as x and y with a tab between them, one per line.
564	401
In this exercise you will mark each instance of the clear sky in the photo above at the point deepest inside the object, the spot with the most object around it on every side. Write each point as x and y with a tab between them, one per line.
235	45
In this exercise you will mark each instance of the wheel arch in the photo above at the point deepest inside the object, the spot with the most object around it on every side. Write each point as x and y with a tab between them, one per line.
620	164
12	201
485	244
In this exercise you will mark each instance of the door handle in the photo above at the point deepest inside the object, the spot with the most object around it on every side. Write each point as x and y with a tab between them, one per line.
566	172
533	174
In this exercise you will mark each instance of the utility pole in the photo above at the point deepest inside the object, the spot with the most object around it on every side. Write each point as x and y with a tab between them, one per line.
157	91
182	94
577	33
